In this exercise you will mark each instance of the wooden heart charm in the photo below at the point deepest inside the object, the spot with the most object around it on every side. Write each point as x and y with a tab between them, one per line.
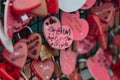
71	5
105	12
104	58
34	42
12	22
18	57
67	57
100	33
57	36
98	72
42	69
85	45
21	6
79	26
88	4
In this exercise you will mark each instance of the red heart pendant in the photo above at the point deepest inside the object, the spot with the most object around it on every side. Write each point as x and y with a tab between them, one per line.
33	42
75	76
79	26
42	69
106	12
116	40
52	6
100	32
116	68
12	22
67	57
18	57
21	6
8	72
58	37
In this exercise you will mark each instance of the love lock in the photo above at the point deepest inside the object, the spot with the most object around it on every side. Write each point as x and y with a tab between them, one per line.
33	41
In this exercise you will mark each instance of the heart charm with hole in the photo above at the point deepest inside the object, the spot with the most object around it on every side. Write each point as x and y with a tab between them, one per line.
67	61
105	12
57	36
42	69
18	57
22	7
34	42
79	26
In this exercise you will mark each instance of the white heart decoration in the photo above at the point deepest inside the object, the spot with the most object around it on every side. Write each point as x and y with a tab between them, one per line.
70	5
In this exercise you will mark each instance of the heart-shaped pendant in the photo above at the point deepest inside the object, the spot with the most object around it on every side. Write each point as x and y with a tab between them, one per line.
57	36
71	5
12	22
116	68
98	72
33	42
75	76
85	45
79	26
18	57
21	6
104	58
100	32
42	69
105	12
67	57
88	4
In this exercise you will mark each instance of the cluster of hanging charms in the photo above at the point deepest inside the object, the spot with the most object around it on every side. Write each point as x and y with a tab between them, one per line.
75	40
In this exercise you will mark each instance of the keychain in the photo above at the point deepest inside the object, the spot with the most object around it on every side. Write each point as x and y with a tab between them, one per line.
33	41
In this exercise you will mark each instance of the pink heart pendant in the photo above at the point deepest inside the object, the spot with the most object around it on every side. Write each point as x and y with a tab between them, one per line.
67	57
105	12
33	42
79	26
57	36
18	57
42	69
12	22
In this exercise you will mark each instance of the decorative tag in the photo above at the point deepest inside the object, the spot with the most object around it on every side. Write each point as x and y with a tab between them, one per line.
103	58
13	23
7	43
97	71
57	36
42	69
67	57
100	32
71	5
79	26
85	45
46	52
33	42
105	12
27	6
88	4
116	68
18	57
